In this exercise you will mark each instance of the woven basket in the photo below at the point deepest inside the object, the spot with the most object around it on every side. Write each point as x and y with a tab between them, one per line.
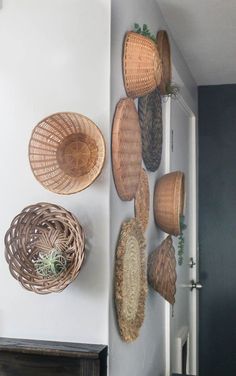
142	68
162	270
66	152
169	202
38	229
163	45
142	200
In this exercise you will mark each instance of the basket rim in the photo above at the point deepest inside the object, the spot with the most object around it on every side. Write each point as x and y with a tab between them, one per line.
163	42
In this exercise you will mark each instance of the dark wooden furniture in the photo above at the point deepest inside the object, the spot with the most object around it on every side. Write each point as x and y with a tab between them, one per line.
20	357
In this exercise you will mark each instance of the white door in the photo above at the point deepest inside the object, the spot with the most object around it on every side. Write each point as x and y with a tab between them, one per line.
183	320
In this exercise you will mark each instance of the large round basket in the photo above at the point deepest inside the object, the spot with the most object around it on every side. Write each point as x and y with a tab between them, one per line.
163	45
142	68
38	230
130	280
162	270
66	152
169	202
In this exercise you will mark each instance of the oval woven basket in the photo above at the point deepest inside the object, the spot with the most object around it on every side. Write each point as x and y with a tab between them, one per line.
66	152
142	200
142	68
163	45
169	202
38	230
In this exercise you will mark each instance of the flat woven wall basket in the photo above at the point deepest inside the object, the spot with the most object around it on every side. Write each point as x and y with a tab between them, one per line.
162	270
38	230
163	45
66	152
169	202
130	279
142	68
142	200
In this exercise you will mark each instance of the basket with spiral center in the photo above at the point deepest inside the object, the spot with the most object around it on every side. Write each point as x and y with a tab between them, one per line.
163	45
169	202
142	68
66	152
39	229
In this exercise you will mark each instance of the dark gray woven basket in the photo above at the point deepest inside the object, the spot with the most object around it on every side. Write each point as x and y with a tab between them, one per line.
150	118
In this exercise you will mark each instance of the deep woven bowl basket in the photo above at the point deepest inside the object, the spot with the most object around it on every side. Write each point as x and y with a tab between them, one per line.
142	68
169	202
66	152
41	228
164	49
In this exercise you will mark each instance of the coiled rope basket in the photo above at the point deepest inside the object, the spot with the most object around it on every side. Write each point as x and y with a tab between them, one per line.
38	230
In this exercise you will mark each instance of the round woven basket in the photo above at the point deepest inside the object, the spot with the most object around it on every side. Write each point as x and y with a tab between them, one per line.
162	270
142	68
169	202
66	152
163	45
37	230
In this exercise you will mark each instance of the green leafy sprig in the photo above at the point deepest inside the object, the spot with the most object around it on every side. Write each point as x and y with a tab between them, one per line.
144	31
183	226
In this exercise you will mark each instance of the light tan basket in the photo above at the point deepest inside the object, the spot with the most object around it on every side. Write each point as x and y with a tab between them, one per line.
41	228
142	200
162	270
66	152
163	45
169	202
142	68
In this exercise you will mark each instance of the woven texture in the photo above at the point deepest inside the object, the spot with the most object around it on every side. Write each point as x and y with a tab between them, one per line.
39	229
130	280
66	152
150	117
142	68
163	45
126	149
142	200
169	202
162	270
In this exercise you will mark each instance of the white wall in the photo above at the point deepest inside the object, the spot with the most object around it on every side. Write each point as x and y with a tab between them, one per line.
145	356
54	56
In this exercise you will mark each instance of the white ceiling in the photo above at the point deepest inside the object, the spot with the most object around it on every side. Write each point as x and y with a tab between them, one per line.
205	32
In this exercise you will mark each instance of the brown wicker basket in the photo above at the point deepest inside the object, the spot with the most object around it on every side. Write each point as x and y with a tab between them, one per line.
163	45
169	202
142	200
142	68
39	229
66	152
162	270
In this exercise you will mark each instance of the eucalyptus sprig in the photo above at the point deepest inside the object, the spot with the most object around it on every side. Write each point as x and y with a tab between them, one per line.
183	226
50	264
144	31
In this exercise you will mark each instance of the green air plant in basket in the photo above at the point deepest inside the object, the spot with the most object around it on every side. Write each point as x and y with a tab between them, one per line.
144	31
50	264
172	90
183	226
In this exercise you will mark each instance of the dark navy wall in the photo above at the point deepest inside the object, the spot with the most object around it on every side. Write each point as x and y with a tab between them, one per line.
217	229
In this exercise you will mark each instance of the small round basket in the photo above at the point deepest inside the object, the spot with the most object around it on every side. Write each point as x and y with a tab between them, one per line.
169	202
66	152
142	68
38	230
163	45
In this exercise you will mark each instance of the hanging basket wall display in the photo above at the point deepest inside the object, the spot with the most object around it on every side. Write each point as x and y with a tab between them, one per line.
142	68
150	117
130	280
163	45
162	270
66	152
142	200
44	248
169	202
126	149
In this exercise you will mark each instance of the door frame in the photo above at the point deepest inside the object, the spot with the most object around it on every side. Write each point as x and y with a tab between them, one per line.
194	243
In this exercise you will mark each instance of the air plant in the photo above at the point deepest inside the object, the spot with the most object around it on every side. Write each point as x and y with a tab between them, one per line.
144	31
183	226
172	90
50	264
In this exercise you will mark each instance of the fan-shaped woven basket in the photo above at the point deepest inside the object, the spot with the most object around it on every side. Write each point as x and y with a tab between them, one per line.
162	270
169	202
142	200
150	117
126	149
130	279
38	229
66	152
163	45
142	68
